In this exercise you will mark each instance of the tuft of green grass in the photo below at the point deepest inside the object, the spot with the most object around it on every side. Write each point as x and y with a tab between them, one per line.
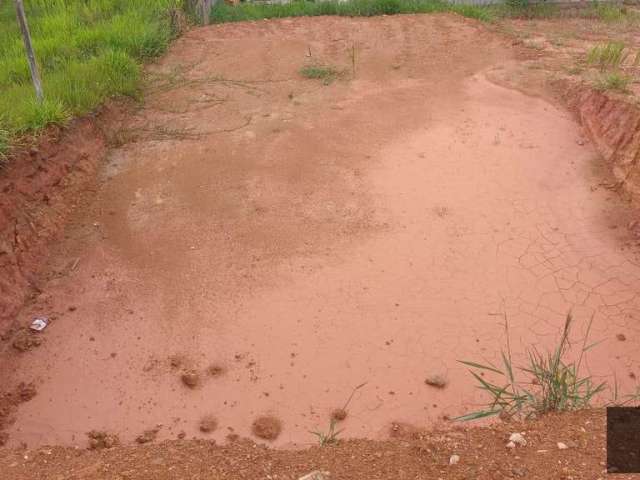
87	51
554	384
608	55
4	145
614	81
325	73
605	12
330	436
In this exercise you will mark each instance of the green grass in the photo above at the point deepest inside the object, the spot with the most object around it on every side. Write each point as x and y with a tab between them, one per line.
614	81
320	72
608	12
223	12
610	55
329	437
553	384
86	51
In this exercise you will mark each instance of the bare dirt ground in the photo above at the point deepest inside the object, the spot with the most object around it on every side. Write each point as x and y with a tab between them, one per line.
260	243
409	455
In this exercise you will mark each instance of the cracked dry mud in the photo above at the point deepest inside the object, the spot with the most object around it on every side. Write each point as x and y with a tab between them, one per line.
312	237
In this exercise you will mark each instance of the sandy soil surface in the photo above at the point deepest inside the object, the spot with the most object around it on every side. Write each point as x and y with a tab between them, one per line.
262	243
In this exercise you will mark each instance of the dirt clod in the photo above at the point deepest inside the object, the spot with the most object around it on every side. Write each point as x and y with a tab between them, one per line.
99	439
26	391
148	435
339	414
176	361
437	381
215	370
267	427
190	378
208	424
25	340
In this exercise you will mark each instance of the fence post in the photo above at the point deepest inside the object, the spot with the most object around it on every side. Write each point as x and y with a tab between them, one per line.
205	10
26	36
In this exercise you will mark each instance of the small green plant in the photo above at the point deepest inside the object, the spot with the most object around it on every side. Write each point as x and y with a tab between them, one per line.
614	81
320	72
605	12
330	436
607	56
555	384
4	145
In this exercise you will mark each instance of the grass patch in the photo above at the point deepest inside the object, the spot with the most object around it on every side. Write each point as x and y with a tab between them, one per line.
320	72
614	81
526	10
608	55
329	437
86	51
223	12
553	384
4	145
606	12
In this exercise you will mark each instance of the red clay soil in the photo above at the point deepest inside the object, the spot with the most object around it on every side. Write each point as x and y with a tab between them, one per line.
613	125
419	455
41	185
310	238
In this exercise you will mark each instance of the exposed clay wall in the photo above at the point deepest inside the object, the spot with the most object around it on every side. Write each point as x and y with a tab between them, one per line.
613	123
38	191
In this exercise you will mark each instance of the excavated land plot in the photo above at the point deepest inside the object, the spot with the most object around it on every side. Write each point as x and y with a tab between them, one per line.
260	243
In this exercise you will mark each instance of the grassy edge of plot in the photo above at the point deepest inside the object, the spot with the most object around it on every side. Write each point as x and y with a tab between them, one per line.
86	52
89	52
224	13
260	10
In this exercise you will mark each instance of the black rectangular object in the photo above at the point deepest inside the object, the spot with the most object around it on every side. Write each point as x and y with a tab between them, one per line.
623	440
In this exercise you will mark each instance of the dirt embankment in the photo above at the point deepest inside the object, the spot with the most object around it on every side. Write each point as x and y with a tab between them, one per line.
39	188
613	124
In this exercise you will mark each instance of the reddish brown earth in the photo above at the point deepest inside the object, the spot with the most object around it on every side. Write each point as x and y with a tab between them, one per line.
419	455
307	238
614	126
39	188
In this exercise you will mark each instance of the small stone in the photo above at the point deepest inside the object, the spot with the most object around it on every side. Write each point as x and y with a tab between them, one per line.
580	142
437	381
454	459
511	445
621	337
562	446
316	475
518	439
190	378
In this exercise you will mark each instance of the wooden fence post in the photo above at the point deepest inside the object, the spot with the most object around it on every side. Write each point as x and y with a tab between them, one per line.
205	10
26	36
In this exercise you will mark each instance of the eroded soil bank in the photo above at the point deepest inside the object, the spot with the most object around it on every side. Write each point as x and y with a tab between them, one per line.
39	188
260	243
